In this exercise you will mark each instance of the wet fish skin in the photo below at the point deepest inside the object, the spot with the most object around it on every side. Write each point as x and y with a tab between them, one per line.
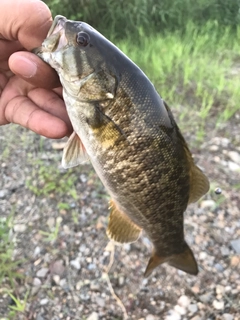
129	134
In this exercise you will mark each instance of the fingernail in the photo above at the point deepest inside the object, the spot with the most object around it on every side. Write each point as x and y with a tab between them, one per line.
27	68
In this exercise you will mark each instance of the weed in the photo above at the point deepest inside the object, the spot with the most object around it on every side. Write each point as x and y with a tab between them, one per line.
52	235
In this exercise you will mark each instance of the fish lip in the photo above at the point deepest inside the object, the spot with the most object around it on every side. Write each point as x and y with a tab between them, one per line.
58	24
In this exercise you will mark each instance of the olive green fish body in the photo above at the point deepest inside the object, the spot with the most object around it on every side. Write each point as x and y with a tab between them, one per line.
128	132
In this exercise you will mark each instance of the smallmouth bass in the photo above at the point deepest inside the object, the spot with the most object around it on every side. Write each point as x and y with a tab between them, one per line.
127	131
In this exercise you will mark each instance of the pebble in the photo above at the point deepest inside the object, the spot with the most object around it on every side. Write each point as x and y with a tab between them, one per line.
19	227
56	278
150	317
205	298
225	251
196	318
193	308
184	301
236	245
202	255
3	193
76	264
227	316
93	316
37	250
180	310
100	301
173	315
233	166
37	282
234	156
208	204
57	267
43	302
218	305
235	261
42	272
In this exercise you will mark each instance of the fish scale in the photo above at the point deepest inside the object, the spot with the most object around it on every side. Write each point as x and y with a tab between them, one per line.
129	134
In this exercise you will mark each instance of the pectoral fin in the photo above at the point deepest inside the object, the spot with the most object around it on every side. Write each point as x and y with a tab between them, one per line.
120	227
184	261
74	152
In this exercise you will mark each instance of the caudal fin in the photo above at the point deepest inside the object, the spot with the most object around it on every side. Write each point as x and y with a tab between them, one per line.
184	261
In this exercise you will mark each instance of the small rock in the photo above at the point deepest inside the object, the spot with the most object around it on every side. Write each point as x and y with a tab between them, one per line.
93	316
91	266
100	302
202	255
218	305
37	282
19	227
57	267
196	318
3	193
235	261
233	166
205	298
236	245
43	302
193	308
42	272
150	317
218	267
173	315
39	317
184	301
56	278
234	156
180	310
220	289
227	316
63	283
224	251
76	264
208	204
37	250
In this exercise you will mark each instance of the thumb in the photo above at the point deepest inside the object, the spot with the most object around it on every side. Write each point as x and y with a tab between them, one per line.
33	70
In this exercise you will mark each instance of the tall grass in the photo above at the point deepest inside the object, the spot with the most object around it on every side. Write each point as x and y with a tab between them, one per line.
198	69
119	18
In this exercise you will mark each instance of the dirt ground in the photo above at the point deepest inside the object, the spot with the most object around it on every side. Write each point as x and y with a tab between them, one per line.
59	223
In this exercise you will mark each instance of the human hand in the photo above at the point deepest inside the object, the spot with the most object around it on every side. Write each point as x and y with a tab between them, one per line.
33	104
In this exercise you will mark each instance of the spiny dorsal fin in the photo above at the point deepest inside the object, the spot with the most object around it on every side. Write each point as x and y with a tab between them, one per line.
184	261
120	227
74	152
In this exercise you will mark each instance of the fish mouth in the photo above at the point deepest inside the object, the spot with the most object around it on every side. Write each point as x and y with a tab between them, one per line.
55	39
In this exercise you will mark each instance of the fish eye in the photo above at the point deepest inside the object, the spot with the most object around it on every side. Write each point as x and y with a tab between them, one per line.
83	39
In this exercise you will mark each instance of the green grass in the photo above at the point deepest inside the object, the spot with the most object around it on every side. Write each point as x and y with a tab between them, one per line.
195	72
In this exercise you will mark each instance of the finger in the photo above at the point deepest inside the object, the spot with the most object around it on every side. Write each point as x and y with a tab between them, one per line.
7	48
32	69
27	21
24	112
50	102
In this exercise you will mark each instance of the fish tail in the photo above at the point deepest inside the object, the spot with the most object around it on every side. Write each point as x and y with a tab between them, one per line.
184	261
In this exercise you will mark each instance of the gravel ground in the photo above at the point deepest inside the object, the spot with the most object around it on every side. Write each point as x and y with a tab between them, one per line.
70	269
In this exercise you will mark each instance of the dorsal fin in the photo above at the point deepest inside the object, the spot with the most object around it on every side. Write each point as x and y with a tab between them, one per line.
199	184
120	227
74	152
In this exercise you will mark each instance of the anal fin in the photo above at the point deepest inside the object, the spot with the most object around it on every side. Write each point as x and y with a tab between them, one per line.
120	227
184	261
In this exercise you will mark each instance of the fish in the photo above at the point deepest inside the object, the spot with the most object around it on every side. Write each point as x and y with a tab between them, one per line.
128	132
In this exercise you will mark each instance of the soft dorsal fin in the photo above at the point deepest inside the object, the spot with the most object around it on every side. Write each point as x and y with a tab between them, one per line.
120	227
74	152
184	261
199	184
